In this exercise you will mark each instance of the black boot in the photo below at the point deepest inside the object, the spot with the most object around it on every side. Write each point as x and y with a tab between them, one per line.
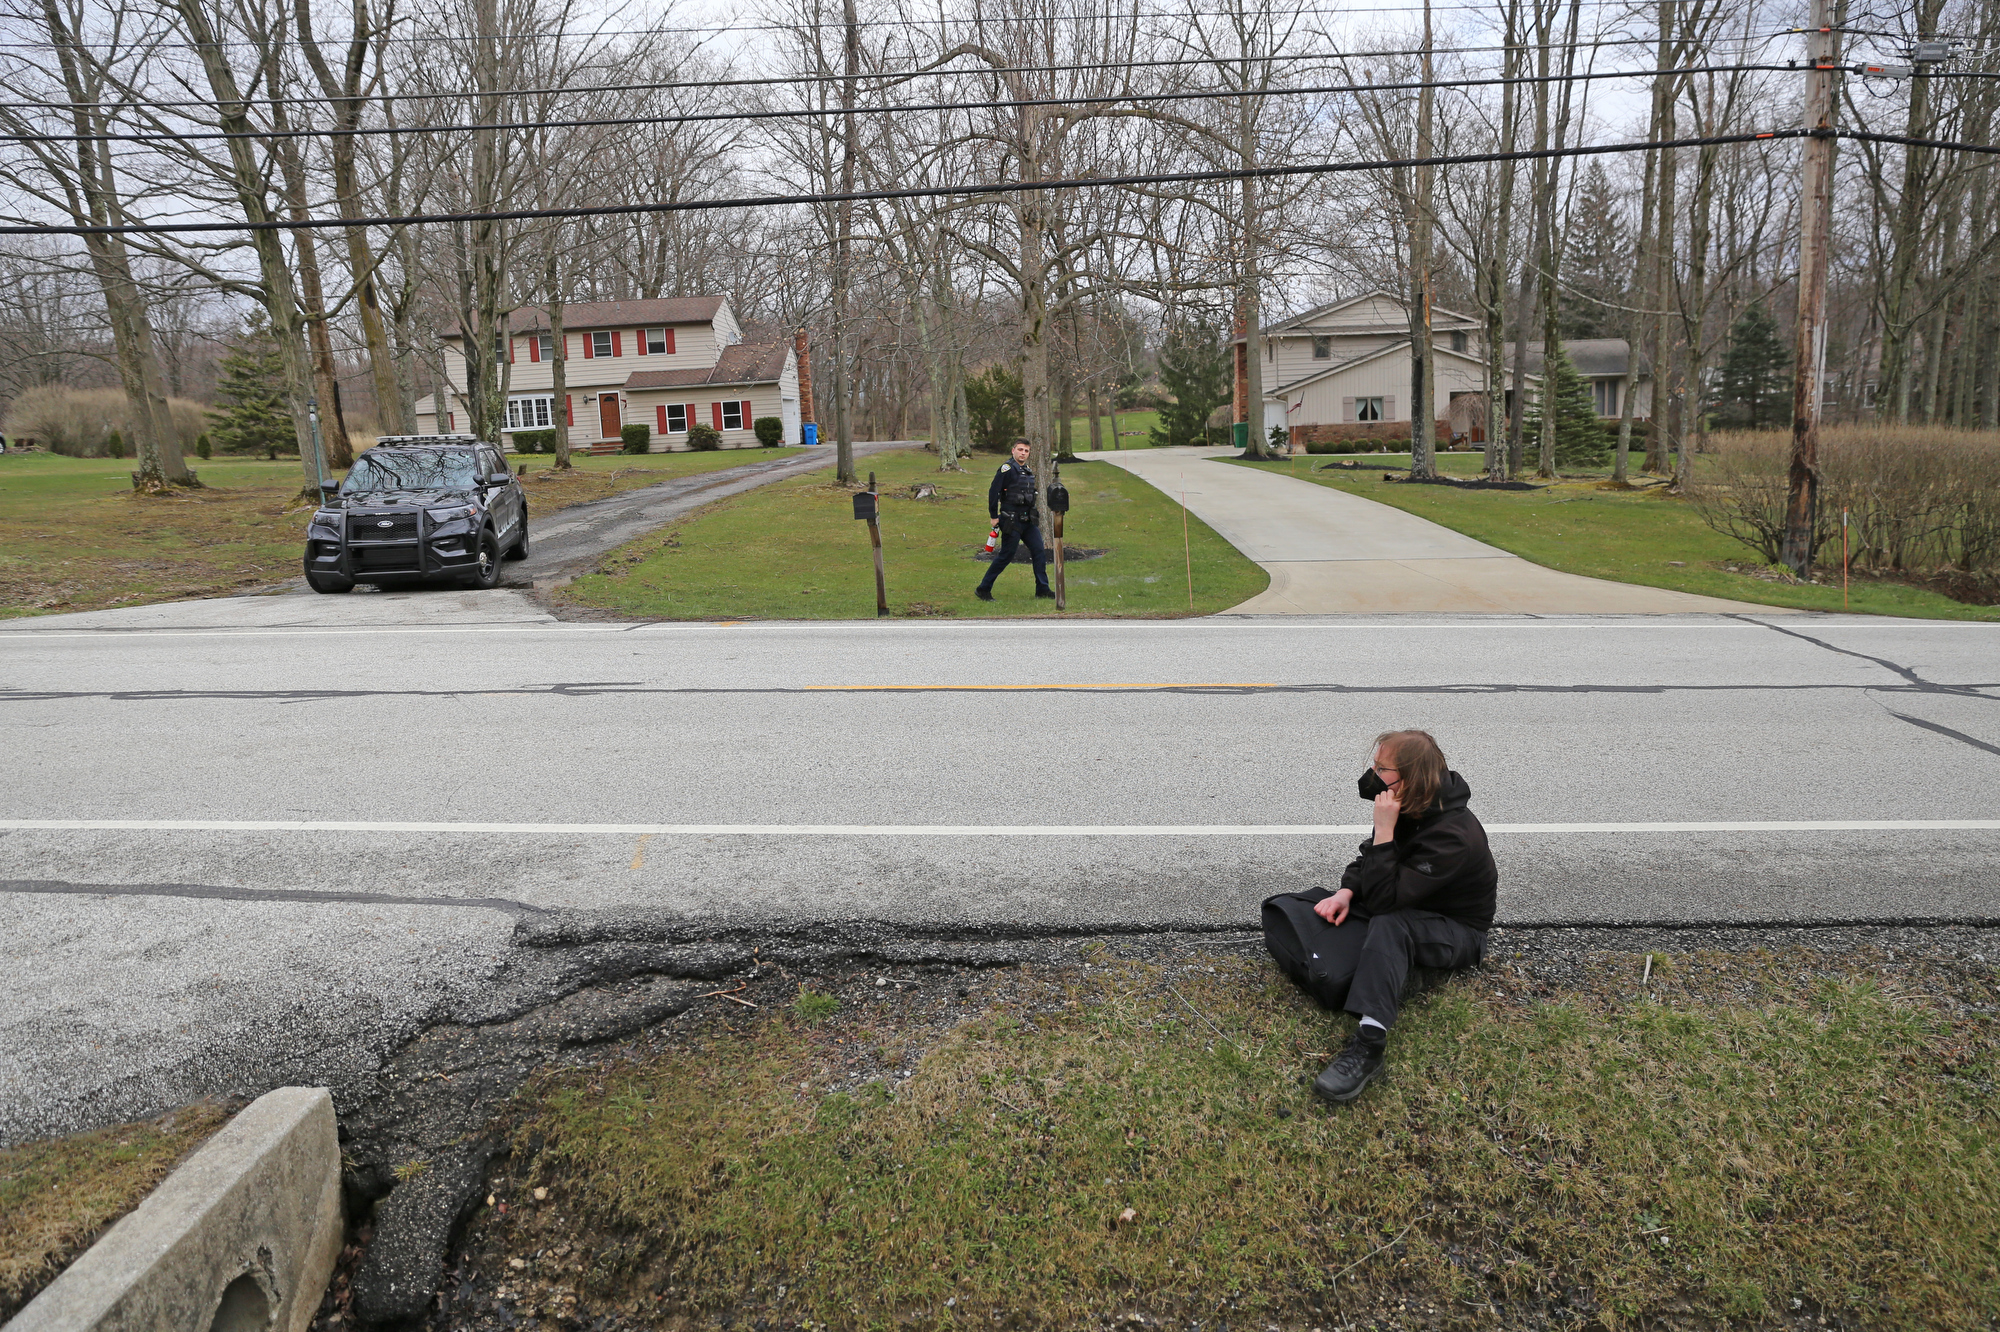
982	593
1046	591
1354	1067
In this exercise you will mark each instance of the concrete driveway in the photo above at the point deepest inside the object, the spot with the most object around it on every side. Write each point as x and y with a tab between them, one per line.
1331	553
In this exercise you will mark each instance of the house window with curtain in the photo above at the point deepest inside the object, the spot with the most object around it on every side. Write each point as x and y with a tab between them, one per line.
600	344
547	348
1322	347
659	341
1604	394
530	412
1367	409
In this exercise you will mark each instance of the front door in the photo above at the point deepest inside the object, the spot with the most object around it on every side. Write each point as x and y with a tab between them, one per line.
608	414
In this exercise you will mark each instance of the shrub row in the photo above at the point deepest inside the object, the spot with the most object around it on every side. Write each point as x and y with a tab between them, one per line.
1918	498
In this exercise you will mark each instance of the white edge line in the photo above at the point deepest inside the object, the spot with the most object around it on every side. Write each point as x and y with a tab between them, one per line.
965	830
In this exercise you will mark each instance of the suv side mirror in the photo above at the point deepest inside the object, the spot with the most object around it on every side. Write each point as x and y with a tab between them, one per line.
329	488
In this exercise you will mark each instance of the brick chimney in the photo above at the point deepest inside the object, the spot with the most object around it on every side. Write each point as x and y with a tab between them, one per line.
803	350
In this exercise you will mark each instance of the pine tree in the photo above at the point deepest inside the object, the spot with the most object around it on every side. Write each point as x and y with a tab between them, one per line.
1755	389
993	407
1597	261
251	389
1581	440
1195	372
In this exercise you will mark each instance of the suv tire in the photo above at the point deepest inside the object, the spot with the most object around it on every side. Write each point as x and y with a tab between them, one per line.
520	551
489	562
320	582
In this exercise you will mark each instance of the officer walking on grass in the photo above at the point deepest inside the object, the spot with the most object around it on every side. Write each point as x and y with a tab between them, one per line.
1010	501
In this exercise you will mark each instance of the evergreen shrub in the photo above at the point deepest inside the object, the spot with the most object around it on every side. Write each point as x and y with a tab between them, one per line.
536	441
638	439
201	447
770	431
703	437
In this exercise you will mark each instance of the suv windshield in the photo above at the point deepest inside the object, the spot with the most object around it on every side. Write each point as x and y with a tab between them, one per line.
412	469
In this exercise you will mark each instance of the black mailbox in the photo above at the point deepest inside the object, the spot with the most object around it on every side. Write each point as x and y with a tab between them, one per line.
1058	498
864	507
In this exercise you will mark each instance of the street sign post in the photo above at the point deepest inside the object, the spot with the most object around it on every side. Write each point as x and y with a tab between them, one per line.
867	508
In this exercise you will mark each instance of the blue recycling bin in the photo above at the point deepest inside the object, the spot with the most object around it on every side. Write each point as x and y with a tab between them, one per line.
812	433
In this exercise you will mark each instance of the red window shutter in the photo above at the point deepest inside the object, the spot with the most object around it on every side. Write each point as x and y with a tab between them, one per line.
640	350
569	410
670	342
510	351
588	342
746	413
534	347
662	410
616	349
716	409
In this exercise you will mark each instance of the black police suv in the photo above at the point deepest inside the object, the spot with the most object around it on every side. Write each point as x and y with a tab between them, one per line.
418	507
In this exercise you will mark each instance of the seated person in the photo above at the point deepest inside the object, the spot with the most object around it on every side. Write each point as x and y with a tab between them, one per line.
1420	893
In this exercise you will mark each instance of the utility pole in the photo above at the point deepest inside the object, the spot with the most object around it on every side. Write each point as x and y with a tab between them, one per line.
843	246
1815	235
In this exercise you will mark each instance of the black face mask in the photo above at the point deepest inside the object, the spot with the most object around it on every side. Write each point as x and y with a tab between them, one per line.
1370	785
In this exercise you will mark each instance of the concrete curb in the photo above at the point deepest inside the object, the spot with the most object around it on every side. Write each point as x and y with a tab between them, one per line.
243	1236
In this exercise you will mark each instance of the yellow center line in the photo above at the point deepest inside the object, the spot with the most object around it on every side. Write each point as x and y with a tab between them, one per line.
1125	684
639	852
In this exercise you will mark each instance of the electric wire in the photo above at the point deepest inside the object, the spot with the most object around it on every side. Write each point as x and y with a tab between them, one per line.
928	192
797	113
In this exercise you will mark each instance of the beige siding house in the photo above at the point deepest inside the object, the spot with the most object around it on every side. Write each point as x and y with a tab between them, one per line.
664	364
1342	372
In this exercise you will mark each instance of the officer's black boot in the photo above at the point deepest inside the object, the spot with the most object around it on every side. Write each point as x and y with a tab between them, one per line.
983	592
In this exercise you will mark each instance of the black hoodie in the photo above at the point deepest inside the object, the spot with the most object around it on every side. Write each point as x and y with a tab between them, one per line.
1438	862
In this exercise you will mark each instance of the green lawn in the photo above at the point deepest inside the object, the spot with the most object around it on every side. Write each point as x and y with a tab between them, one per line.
1135	430
792	550
1743	1138
74	537
1640	536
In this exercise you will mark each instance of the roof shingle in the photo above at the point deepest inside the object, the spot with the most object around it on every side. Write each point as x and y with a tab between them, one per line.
760	362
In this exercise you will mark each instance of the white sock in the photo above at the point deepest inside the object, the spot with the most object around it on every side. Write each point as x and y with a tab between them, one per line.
1371	1022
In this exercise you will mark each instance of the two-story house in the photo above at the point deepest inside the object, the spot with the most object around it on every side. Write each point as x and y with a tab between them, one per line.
1342	372
664	364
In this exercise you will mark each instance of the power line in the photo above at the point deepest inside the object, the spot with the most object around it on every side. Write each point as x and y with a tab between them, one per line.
933	192
795	113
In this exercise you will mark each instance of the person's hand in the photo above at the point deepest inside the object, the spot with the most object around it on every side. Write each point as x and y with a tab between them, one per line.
1388	807
1333	910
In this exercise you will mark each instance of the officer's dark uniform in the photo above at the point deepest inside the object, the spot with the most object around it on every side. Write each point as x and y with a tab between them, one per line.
1011	500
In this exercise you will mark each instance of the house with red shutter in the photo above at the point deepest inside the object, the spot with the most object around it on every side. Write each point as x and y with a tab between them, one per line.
663	364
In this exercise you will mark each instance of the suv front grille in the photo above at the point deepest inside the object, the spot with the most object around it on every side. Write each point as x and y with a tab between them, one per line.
371	527
385	559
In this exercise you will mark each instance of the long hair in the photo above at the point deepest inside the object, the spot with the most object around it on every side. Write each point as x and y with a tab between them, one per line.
1417	757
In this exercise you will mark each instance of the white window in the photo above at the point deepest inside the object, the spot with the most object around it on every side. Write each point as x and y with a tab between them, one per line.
532	412
732	416
677	418
600	344
548	347
1367	409
659	342
1322	348
1604	393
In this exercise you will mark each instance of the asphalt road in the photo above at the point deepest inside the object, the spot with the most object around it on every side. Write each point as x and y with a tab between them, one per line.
415	790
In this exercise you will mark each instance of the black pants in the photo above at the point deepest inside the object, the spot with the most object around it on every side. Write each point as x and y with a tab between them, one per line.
1363	964
1012	533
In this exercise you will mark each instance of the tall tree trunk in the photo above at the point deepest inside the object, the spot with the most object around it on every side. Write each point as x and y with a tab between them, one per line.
1494	277
1423	351
1628	389
246	178
1662	410
1907	239
843	244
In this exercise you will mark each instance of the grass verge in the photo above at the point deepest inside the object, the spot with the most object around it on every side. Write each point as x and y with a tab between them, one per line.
1630	536
792	550
1748	1139
57	1197
74	537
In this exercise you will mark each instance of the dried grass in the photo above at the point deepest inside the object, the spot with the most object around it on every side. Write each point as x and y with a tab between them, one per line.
1919	499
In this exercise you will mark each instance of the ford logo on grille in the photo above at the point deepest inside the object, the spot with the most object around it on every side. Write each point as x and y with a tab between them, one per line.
385	523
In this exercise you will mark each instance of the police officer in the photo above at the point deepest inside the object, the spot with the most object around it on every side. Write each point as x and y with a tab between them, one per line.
1011	501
